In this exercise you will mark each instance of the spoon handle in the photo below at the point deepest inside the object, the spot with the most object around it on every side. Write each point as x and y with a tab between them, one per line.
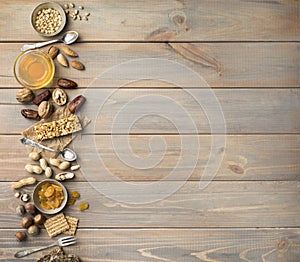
37	45
29	142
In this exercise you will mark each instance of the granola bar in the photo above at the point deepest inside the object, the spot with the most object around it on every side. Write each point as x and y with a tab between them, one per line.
57	128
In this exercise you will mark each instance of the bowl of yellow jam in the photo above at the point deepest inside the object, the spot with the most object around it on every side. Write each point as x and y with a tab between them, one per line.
34	69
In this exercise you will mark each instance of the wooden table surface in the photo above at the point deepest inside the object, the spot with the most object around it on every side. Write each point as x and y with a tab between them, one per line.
247	51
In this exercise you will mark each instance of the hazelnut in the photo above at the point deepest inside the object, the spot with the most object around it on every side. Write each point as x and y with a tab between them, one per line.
21	236
39	219
30	208
25	95
33	230
45	109
26	222
25	197
20	210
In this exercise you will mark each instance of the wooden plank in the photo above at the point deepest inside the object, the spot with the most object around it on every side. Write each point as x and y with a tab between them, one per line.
168	111
226	245
278	158
231	20
220	204
168	65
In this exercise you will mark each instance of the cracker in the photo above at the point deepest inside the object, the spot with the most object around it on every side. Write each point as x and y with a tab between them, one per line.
56	225
73	222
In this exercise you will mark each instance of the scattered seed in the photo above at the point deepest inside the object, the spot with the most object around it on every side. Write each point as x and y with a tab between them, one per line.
67	11
71	201
72	5
76	12
85	18
81	7
66	6
87	14
78	17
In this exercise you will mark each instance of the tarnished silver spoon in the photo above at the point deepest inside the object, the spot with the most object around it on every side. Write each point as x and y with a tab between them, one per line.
68	38
67	154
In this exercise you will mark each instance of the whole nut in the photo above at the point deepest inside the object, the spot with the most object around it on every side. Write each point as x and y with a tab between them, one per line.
59	96
29	113
21	236
20	210
62	60
68	51
48	172
30	208
66	83
43	163
53	51
33	230
39	219
26	222
25	197
77	65
25	95
35	156
76	103
45	96
45	109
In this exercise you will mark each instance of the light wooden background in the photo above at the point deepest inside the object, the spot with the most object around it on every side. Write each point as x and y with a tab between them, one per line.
250	211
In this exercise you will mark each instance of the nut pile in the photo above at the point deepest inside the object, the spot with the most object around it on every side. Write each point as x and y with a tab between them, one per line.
48	21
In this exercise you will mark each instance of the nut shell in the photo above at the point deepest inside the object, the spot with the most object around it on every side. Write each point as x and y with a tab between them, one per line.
45	109
25	95
20	210
33	230
21	236
39	219
30	208
59	97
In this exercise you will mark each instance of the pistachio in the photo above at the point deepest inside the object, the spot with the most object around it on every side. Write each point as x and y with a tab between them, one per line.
45	109
77	65
62	60
59	96
25	95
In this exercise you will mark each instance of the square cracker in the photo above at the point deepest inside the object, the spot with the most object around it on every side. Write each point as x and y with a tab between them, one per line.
73	222
56	225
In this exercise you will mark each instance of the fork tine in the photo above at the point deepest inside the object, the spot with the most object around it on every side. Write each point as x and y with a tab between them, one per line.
66	238
68	243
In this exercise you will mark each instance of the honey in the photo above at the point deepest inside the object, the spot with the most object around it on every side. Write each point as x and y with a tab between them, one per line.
34	69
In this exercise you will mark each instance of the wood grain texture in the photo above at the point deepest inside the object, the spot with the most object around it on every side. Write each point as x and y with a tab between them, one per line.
220	204
278	158
231	20
192	245
165	111
237	65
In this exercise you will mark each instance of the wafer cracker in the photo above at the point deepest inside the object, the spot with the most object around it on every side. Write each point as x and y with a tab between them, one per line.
73	222
56	225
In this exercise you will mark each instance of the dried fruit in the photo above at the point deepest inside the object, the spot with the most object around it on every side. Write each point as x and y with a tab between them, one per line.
75	194
45	109
51	196
76	103
84	206
30	208
59	96
35	156
21	236
71	201
66	83
30	114
62	60
68	51
25	95
45	96
77	65
33	230
39	219
20	210
26	222
53	51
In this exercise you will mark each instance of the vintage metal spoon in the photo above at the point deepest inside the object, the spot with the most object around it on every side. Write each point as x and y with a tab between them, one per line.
68	38
67	154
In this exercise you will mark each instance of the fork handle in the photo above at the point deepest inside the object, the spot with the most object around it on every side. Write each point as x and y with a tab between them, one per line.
27	252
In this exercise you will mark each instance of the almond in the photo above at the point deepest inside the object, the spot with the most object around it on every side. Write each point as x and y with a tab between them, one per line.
77	65
62	60
53	51
68	51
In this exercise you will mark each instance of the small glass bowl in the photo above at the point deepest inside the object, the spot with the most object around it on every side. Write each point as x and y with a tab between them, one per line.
34	69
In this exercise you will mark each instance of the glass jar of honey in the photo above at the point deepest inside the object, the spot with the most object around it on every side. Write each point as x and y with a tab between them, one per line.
34	69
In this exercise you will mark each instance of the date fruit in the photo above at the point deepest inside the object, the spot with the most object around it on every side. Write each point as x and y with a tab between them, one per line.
29	113
76	103
45	96
66	83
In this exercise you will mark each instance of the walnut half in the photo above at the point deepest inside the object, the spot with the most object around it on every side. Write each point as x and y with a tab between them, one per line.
59	96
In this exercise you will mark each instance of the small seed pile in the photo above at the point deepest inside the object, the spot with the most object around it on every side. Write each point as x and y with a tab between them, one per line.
74	13
48	21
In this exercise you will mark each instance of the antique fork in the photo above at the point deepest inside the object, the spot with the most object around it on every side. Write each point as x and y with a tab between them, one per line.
62	242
